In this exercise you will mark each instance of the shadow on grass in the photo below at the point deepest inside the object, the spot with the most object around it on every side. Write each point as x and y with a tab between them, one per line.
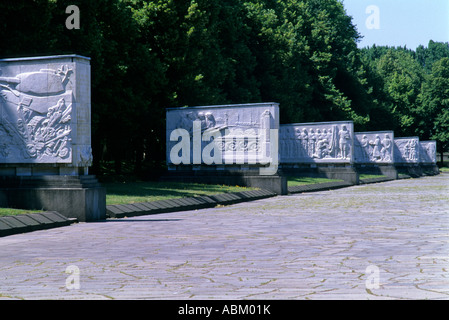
129	192
302	181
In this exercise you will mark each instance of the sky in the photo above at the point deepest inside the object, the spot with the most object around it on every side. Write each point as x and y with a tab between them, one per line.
400	22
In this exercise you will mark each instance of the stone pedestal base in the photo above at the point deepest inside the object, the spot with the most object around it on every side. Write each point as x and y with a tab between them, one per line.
337	171
387	170
246	177
412	170
430	169
80	197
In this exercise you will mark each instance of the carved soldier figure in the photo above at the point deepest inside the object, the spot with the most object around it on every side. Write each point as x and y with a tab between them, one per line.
413	146
312	143
364	145
406	150
377	146
304	142
344	138
386	148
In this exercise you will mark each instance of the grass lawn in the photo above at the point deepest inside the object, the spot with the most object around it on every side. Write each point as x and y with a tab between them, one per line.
301	181
444	169
371	176
13	212
145	191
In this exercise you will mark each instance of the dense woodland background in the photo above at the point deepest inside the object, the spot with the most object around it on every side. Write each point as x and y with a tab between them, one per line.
149	55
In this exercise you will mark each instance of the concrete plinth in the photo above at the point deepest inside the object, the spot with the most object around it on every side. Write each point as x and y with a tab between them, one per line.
412	170
80	197
430	169
339	172
247	178
378	169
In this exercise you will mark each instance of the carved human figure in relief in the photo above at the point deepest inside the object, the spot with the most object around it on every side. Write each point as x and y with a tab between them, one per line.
431	152
377	146
298	143
365	147
312	143
344	142
322	145
387	145
413	150
210	120
304	142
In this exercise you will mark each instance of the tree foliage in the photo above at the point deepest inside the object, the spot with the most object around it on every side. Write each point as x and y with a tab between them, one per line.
147	55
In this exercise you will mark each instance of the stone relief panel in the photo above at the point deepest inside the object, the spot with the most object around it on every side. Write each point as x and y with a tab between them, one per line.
374	147
428	152
320	142
36	116
38	111
241	132
406	150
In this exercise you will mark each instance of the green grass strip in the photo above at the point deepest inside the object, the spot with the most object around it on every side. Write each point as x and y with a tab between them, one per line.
14	212
370	176
146	191
302	181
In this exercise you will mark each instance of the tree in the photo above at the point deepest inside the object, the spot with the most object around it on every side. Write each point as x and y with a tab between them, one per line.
435	101
402	77
427	56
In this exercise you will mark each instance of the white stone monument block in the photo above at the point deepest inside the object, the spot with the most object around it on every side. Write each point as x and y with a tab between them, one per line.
222	134
45	111
406	150
428	152
374	147
317	142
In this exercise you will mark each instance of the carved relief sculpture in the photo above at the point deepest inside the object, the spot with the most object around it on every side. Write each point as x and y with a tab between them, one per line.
41	116
237	129
428	152
35	117
321	142
406	150
373	147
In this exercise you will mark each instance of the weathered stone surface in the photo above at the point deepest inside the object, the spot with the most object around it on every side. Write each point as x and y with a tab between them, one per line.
317	142
374	147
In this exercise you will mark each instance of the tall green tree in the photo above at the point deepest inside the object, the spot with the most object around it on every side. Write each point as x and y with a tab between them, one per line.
434	51
435	101
402	77
124	75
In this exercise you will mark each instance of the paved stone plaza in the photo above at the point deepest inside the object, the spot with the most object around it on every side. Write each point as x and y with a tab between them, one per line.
325	245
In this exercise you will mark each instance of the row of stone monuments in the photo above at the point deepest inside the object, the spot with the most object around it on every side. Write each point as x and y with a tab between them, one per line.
246	145
45	143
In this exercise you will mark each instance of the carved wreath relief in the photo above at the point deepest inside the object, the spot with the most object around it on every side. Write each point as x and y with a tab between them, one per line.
315	143
35	123
374	148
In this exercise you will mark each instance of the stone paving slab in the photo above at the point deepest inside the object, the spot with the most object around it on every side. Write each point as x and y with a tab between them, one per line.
323	245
